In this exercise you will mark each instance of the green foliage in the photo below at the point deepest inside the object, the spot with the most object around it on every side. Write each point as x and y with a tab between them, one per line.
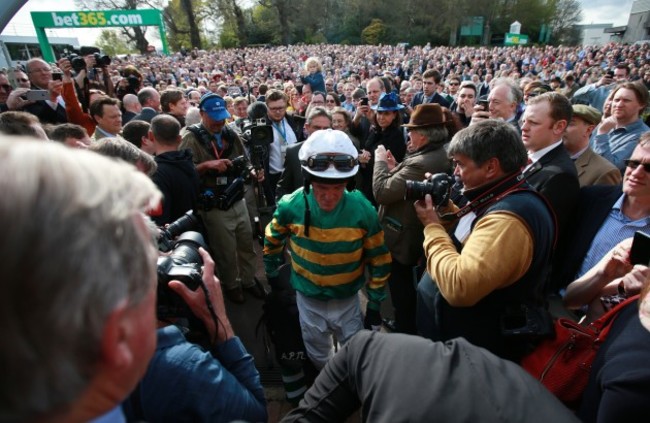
374	33
228	37
264	26
382	21
112	43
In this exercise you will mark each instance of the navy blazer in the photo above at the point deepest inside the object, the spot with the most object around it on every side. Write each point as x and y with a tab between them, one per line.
555	177
593	207
146	114
291	178
437	98
46	114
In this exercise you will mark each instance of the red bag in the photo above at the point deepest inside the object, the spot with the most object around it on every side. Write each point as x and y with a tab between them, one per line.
563	364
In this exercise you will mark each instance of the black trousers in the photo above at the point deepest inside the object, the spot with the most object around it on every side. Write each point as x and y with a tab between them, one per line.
404	297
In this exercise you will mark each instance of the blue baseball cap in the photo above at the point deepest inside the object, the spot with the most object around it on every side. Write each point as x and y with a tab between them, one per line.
215	106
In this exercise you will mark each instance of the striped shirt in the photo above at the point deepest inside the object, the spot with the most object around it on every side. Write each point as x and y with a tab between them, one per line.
331	262
614	229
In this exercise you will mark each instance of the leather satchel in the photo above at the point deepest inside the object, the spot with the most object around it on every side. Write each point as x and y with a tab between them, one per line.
562	364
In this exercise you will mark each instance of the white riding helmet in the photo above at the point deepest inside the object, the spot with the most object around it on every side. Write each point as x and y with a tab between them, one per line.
318	155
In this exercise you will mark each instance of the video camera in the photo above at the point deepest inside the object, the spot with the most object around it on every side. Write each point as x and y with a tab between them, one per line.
438	186
257	133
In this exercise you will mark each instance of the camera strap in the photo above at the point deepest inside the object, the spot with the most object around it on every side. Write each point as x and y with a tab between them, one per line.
504	187
208	140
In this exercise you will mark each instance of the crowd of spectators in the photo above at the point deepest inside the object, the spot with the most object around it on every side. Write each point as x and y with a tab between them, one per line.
520	132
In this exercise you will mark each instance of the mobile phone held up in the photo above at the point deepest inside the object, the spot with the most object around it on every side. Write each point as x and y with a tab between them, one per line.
36	95
57	76
640	251
364	101
484	103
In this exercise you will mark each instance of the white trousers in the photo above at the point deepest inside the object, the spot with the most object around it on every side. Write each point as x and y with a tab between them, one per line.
320	319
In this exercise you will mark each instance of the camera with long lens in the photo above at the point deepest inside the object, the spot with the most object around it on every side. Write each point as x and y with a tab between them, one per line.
78	63
239	172
182	264
241	168
133	83
188	222
438	186
101	61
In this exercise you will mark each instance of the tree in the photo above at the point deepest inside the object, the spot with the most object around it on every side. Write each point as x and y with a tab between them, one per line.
286	14
183	19
374	33
110	42
567	14
135	34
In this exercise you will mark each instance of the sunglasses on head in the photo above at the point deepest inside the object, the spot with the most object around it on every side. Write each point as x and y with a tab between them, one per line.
633	164
321	162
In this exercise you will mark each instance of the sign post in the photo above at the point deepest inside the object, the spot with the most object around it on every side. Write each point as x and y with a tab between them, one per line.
95	19
515	39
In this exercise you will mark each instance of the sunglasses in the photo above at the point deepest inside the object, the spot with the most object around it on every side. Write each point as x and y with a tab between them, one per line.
6	87
633	164
321	162
22	79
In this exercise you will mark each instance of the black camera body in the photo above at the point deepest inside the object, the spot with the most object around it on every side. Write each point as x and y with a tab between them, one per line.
182	264
101	61
527	320
239	172
438	186
241	167
188	222
78	63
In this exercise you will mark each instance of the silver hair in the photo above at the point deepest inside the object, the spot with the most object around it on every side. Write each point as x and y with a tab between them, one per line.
193	115
316	111
71	253
515	95
435	135
120	148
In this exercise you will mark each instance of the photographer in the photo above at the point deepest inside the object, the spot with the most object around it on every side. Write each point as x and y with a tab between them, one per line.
430	128
185	382
214	147
73	108
486	280
77	305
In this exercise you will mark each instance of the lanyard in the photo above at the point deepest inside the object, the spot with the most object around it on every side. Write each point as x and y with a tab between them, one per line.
282	130
219	144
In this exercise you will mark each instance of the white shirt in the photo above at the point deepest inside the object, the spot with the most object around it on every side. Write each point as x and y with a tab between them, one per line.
283	136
